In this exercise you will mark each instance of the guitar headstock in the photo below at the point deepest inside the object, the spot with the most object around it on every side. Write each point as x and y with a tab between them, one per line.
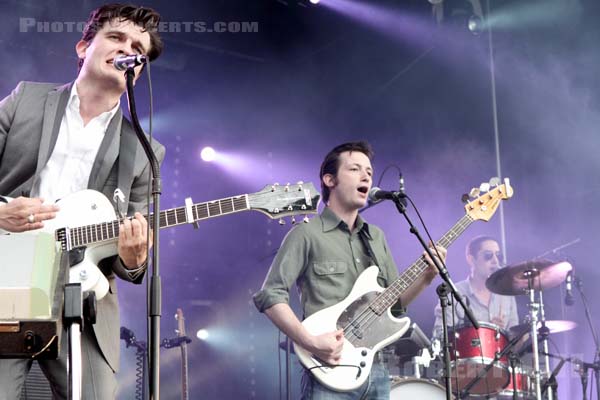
278	201
180	322
487	199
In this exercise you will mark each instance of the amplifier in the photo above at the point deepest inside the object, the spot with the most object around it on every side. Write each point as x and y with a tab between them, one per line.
34	272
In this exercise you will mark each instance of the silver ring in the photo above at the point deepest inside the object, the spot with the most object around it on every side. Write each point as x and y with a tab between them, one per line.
31	218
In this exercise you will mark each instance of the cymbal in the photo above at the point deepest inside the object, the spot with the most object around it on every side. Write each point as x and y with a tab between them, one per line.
513	280
554	326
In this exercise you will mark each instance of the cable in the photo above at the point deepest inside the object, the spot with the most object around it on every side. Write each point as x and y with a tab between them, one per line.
139	373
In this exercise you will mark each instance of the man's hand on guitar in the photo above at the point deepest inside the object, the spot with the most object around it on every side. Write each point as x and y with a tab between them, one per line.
328	346
132	241
25	214
432	271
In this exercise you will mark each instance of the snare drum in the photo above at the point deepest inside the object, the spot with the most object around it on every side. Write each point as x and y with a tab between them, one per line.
523	385
403	388
474	349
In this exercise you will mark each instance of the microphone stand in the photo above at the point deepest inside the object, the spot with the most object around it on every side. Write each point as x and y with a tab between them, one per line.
596	365
442	291
582	368
397	199
155	294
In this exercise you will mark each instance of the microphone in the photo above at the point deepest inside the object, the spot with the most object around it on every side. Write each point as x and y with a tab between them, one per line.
133	60
401	190
569	301
376	195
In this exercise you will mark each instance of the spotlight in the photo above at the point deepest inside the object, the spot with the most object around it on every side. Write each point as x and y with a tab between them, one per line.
315	1
208	154
475	24
202	334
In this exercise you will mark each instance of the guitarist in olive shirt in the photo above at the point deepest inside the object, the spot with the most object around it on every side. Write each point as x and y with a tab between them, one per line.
324	258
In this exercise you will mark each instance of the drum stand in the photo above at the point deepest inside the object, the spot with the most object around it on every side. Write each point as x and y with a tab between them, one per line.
533	315
544	332
513	365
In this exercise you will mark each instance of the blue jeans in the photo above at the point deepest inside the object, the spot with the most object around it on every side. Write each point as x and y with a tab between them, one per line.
377	387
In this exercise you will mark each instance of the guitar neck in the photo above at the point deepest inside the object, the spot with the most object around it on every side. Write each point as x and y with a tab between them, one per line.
390	296
107	231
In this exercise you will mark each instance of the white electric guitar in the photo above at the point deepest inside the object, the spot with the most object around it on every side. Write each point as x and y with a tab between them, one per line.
87	225
365	313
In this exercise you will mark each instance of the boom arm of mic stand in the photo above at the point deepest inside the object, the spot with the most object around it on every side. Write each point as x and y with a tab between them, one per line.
442	270
155	283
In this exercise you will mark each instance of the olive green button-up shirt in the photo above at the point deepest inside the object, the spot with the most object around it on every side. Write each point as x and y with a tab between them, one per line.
324	259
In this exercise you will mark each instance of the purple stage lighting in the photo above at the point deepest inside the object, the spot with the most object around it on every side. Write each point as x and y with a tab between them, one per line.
208	154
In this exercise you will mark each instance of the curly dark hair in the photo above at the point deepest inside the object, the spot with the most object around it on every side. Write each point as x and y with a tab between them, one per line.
144	17
331	163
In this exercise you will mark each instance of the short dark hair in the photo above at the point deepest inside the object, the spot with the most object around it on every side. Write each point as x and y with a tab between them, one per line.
144	17
475	244
331	163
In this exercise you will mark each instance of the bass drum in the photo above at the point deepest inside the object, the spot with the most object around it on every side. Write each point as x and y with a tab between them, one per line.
404	388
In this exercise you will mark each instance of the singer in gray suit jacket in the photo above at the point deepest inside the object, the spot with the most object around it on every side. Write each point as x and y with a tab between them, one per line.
31	118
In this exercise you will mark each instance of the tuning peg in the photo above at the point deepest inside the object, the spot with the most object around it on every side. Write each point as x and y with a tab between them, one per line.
303	207
293	220
465	198
281	221
287	187
485	187
305	219
474	193
495	181
274	186
290	208
300	183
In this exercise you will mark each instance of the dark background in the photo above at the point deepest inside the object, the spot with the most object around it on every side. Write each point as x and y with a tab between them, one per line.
273	102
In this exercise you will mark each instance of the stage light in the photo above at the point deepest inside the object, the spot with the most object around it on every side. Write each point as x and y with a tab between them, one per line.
202	334
314	1
208	154
475	24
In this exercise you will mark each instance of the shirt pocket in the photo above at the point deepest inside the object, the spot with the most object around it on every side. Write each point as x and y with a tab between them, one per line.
330	268
332	281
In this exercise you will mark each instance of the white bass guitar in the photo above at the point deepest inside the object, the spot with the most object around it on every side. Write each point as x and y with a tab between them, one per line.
365	313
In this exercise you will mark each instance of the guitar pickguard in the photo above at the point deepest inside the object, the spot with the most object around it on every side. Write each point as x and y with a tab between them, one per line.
368	329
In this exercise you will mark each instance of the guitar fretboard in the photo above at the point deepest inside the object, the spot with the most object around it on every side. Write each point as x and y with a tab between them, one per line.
390	296
105	231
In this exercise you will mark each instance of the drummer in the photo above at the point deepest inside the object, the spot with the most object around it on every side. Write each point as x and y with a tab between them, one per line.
484	257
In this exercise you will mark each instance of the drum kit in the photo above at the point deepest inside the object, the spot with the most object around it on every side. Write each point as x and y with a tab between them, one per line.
485	362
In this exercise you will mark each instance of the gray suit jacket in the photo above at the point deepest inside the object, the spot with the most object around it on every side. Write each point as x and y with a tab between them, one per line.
30	119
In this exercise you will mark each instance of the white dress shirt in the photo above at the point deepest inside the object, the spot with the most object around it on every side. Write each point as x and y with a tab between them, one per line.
69	167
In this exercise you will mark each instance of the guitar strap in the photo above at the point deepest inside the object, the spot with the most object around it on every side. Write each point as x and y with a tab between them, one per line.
365	240
397	308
